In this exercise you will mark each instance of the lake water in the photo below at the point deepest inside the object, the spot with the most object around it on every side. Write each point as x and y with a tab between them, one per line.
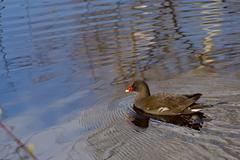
64	66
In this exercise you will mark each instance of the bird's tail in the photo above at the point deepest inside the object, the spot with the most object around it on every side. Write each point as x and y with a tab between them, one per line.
196	107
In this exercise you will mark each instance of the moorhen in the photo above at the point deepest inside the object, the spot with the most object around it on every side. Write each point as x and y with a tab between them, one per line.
163	104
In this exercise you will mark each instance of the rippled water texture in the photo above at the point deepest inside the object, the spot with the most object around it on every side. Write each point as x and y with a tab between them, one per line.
64	66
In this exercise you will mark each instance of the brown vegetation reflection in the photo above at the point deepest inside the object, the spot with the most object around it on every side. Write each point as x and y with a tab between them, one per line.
134	46
211	24
128	38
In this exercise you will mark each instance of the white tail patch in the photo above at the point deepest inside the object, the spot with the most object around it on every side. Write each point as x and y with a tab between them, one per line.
162	109
196	110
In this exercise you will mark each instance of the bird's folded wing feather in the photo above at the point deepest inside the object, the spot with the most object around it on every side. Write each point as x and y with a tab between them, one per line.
166	104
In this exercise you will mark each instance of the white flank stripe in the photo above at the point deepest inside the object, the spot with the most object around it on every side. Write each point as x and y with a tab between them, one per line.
162	109
195	110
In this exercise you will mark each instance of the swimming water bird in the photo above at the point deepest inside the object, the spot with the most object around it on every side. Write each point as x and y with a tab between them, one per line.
164	104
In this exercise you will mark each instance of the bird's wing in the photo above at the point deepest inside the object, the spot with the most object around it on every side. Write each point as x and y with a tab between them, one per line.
167	104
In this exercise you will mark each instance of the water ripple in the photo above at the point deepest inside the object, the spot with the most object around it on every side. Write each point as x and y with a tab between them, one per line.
49	50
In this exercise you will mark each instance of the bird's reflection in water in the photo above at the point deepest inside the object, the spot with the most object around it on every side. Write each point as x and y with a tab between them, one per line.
194	121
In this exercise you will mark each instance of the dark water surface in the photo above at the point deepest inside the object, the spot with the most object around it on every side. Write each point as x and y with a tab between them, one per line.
64	66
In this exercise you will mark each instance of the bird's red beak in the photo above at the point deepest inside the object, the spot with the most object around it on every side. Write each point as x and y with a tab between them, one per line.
129	89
